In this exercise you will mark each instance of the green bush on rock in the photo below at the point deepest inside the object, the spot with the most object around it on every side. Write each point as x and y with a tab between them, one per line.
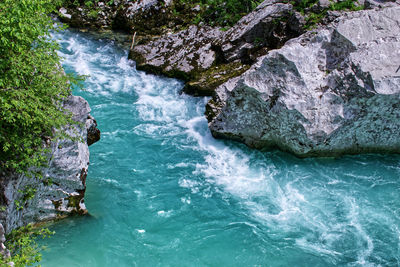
222	12
23	247
32	84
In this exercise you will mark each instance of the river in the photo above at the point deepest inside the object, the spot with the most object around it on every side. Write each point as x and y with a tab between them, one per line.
162	192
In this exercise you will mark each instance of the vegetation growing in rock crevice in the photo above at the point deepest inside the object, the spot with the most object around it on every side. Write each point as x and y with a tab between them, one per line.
32	84
305	7
23	247
33	87
178	15
223	13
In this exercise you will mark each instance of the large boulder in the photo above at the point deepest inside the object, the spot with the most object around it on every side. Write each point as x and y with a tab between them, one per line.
60	191
146	17
182	54
268	27
206	57
331	91
118	14
188	55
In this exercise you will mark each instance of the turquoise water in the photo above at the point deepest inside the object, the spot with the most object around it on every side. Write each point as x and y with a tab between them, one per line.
162	192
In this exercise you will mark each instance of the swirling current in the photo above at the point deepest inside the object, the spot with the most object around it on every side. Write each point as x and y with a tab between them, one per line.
162	192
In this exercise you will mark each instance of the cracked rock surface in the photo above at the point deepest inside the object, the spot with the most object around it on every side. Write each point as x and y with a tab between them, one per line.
331	91
60	192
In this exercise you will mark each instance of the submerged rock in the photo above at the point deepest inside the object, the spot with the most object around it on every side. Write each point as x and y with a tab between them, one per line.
60	192
331	91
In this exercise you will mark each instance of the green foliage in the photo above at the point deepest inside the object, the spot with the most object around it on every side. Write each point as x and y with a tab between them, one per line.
28	193
89	4
23	247
304	7
345	5
32	84
18	205
222	12
93	14
314	18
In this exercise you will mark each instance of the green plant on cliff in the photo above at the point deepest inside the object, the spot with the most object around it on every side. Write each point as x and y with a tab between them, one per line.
32	84
305	7
222	12
23	247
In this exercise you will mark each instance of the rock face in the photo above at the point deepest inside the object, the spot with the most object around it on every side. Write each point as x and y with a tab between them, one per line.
144	15
4	252
61	190
188	55
328	92
206	57
268	27
182	54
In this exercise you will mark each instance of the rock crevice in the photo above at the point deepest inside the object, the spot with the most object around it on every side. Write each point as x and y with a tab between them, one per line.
60	192
328	92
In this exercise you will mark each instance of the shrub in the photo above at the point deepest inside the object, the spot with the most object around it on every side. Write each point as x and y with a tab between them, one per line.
23	247
223	12
32	84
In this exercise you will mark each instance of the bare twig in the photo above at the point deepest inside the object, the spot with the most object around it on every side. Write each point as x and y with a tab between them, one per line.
133	40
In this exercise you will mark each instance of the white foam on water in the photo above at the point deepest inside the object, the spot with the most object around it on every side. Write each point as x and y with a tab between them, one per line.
155	131
231	168
316	248
115	133
179	165
186	200
111	181
354	221
193	185
106	71
285	207
165	214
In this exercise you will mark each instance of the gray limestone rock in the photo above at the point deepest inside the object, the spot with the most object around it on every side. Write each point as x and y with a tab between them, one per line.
181	55
205	57
375	4
4	252
64	14
143	16
140	6
60	191
269	26
93	133
331	91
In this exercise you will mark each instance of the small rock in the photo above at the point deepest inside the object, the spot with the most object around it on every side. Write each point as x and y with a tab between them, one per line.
196	8
64	13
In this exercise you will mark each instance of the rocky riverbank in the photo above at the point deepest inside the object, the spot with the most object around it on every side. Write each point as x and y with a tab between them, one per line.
60	192
313	80
206	57
332	91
